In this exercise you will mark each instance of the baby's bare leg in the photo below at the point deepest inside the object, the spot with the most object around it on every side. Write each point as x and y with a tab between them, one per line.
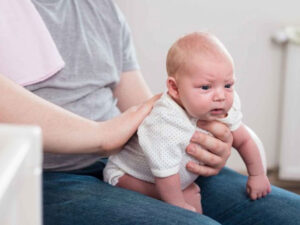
193	197
134	184
191	193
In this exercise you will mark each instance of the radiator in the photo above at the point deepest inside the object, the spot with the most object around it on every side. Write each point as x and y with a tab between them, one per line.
20	175
289	161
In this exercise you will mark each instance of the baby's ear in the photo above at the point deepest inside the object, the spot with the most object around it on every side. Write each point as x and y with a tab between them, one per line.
172	88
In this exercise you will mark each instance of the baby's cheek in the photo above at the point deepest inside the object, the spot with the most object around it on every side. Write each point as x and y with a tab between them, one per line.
229	102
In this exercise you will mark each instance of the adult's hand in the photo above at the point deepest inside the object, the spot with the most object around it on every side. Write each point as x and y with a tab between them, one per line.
116	132
212	151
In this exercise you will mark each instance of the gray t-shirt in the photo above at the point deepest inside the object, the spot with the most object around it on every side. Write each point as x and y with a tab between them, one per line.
94	40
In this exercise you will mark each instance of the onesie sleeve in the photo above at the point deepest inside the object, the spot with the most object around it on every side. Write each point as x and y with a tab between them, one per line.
234	117
163	139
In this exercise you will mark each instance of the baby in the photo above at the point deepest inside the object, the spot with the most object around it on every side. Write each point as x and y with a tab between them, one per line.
200	87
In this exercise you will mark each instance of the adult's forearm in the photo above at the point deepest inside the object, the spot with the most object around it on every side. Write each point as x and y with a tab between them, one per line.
63	131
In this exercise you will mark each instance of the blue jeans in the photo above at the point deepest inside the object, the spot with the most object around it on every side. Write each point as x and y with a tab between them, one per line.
82	198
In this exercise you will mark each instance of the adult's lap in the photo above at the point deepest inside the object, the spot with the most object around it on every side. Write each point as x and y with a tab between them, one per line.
224	199
83	198
86	200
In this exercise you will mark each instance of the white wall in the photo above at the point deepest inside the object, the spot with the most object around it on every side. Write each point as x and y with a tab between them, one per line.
245	27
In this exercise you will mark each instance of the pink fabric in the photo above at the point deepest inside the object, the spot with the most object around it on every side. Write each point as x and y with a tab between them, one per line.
27	52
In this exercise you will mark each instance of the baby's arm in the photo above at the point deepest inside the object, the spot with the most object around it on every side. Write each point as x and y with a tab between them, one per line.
258	184
170	191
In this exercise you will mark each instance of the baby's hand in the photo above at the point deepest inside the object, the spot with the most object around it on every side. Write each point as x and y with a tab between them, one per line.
258	186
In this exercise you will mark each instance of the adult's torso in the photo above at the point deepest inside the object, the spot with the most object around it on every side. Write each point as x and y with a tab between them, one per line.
88	35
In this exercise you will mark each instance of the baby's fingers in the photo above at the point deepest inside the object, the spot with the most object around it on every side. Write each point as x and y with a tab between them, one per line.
248	190
259	195
253	196
266	192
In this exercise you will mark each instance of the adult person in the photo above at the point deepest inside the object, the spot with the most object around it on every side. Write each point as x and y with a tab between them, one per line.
94	41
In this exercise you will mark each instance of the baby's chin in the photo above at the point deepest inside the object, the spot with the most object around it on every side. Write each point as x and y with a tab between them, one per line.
210	117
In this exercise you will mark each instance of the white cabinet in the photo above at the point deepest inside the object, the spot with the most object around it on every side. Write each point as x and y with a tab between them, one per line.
20	175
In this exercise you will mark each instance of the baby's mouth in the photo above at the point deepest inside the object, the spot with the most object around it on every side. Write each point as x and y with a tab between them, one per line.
218	112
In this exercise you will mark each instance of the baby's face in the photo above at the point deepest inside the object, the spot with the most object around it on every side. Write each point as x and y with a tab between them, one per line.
205	88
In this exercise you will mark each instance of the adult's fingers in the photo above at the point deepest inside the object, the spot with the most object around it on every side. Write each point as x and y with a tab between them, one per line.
152	100
212	144
217	129
202	170
206	157
147	106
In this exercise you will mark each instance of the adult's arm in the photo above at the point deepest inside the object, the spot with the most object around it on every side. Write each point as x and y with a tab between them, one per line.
65	132
131	90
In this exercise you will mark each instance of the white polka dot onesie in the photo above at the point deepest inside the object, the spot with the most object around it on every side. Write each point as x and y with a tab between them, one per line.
158	148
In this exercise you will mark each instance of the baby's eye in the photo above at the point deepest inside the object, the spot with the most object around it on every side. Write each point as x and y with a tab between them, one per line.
205	87
228	85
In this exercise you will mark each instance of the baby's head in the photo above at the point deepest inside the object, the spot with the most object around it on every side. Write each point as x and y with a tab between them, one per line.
201	76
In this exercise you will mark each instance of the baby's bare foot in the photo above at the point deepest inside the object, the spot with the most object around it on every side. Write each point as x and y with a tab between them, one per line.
193	197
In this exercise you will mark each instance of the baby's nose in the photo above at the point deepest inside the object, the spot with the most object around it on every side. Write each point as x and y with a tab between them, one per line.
219	95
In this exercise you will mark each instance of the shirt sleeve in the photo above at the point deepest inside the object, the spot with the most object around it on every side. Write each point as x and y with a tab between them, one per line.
163	139
129	59
27	51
